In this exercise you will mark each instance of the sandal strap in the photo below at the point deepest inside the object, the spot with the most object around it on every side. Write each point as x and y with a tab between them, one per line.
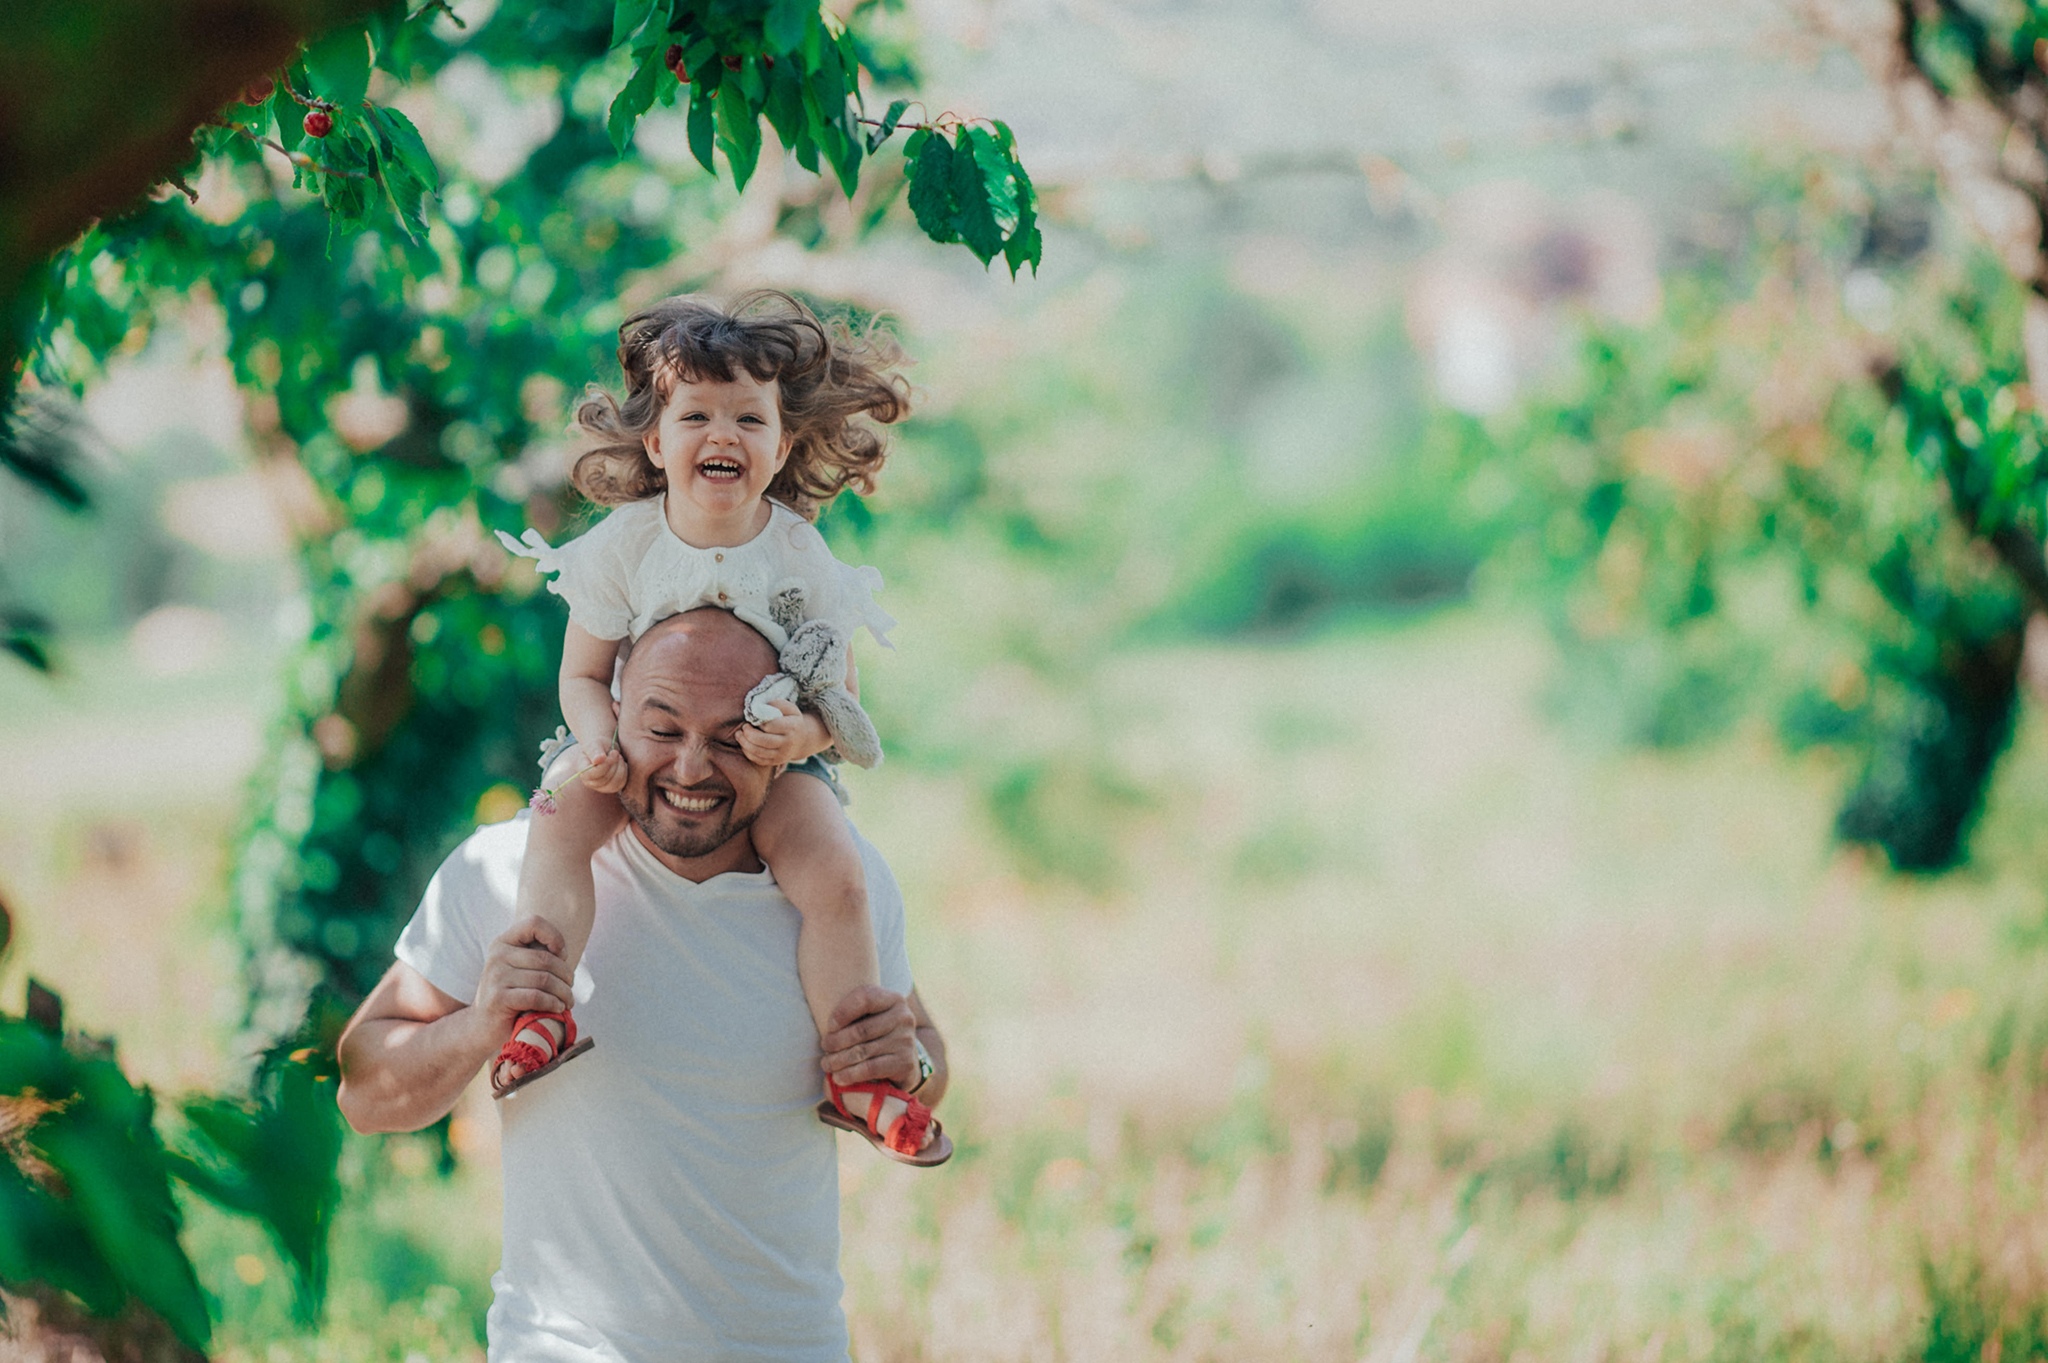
913	1111
528	1049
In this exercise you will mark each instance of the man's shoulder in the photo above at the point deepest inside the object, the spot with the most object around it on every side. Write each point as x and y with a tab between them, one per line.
487	861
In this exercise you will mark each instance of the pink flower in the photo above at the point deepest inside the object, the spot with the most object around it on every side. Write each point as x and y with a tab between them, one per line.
543	801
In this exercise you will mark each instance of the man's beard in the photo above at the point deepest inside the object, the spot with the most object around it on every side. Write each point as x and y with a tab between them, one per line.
681	842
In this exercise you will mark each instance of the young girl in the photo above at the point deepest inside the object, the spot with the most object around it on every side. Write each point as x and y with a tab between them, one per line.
737	428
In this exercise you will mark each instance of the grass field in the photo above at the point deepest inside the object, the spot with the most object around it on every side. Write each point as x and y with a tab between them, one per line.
1409	1029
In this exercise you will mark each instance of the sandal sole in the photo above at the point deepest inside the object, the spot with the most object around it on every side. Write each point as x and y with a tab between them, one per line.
523	1080
937	1152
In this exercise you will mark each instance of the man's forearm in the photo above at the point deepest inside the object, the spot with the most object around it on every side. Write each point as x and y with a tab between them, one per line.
402	1075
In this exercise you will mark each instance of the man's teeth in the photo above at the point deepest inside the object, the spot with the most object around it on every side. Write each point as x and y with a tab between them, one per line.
691	804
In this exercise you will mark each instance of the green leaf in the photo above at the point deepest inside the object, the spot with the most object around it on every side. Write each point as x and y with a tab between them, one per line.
996	166
889	122
752	79
844	153
339	65
115	1233
786	23
1023	246
915	143
973	216
703	128
629	17
931	189
634	100
274	1157
785	103
289	117
739	131
405	143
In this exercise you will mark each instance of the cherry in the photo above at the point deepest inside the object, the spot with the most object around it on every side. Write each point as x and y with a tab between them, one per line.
256	91
732	63
319	123
674	58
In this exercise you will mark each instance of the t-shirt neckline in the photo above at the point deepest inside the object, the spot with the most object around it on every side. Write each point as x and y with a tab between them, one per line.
637	851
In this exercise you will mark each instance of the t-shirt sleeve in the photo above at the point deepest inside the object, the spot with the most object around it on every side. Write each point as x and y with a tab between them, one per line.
885	904
594	572
467	904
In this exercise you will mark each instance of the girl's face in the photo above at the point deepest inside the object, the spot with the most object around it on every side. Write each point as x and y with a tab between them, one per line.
720	444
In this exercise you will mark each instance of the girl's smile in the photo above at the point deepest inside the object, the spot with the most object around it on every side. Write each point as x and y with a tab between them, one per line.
720	444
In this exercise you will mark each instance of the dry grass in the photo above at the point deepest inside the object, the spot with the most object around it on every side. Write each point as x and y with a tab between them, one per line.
1413	1032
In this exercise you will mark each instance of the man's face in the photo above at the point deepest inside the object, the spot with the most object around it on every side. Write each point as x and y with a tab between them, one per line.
689	786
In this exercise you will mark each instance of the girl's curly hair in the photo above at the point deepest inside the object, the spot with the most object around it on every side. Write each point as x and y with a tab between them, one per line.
826	373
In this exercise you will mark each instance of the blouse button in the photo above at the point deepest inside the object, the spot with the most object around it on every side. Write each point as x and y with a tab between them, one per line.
721	596
719	557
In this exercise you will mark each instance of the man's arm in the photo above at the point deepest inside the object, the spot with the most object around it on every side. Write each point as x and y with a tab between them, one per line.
874	1031
411	1049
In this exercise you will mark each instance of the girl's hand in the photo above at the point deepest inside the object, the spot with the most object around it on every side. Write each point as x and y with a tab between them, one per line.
790	739
607	771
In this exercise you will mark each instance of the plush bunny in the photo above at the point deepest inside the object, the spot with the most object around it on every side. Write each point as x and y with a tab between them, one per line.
814	675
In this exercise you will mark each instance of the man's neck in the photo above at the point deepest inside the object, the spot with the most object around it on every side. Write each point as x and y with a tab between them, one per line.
737	854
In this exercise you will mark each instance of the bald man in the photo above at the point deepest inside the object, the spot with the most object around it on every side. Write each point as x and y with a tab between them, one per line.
670	1194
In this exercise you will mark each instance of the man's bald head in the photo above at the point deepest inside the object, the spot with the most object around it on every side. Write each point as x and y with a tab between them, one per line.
690	790
710	643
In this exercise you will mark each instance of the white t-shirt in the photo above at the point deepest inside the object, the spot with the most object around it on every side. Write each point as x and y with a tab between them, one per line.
630	570
669	1194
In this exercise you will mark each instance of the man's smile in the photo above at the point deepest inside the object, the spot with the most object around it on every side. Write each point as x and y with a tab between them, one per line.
691	804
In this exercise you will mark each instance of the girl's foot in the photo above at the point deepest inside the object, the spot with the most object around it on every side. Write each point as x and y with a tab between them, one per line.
540	1042
891	1120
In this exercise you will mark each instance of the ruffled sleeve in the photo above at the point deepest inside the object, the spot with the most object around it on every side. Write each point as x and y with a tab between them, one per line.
857	588
837	592
593	572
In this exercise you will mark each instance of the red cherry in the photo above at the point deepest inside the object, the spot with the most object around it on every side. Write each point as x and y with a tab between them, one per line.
256	91
319	123
673	57
767	61
732	63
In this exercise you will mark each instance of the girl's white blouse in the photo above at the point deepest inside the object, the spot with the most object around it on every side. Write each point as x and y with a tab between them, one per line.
630	570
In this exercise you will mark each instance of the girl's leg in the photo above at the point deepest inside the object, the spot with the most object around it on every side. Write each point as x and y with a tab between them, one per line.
807	842
555	881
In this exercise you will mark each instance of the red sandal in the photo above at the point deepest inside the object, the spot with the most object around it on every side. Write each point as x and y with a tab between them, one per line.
907	1130
538	1059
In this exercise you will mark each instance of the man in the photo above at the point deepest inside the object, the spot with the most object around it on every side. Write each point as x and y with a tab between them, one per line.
670	1194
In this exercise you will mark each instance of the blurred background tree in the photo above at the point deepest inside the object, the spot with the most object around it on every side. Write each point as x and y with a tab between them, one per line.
1836	419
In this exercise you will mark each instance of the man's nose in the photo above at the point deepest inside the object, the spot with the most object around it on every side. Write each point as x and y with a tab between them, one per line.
692	762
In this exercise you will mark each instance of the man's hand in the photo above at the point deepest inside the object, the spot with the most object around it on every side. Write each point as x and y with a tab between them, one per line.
524	972
783	742
873	1036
